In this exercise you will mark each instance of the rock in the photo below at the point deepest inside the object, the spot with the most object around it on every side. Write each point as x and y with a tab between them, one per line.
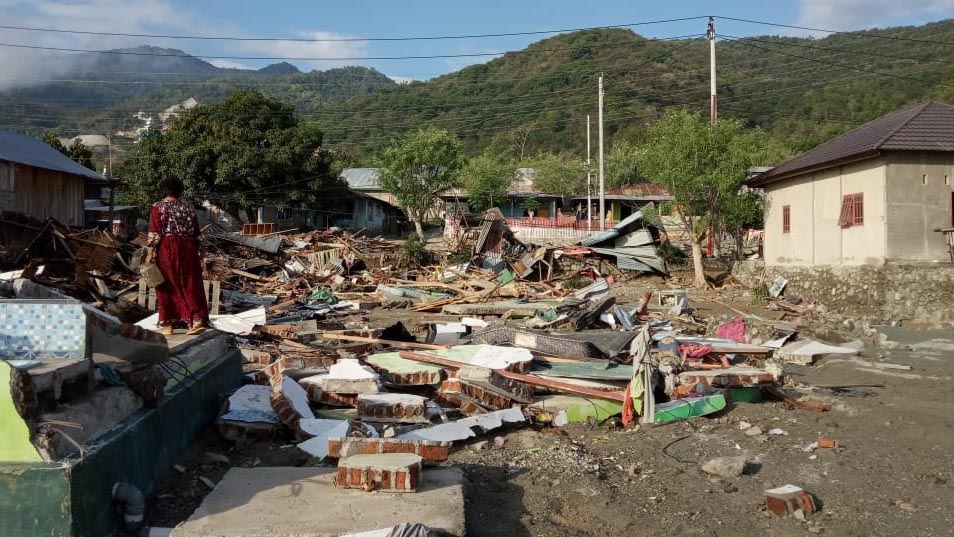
477	446
856	344
744	425
211	457
725	467
777	432
753	431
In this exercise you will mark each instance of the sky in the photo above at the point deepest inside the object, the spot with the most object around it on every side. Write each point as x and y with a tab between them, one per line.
317	19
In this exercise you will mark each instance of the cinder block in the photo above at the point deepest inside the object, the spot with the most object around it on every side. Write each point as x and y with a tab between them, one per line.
347	447
241	431
392	472
785	500
397	407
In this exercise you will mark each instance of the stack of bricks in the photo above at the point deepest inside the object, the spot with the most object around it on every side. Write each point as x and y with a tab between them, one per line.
392	407
389	472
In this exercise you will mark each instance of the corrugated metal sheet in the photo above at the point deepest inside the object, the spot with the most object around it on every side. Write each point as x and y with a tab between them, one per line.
362	178
31	151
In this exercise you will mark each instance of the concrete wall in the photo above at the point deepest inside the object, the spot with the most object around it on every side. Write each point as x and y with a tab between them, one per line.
915	294
916	208
815	199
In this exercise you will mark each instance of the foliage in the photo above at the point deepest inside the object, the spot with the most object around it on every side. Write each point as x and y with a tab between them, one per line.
742	211
670	253
760	295
530	204
557	173
703	166
418	168
415	253
621	166
77	151
487	177
247	151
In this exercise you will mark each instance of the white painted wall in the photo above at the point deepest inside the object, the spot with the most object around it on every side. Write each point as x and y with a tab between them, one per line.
815	200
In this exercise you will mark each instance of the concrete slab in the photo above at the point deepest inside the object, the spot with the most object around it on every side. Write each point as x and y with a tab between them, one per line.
303	502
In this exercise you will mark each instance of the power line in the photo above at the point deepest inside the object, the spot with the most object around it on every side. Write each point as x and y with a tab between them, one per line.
345	39
868	34
840	50
341	58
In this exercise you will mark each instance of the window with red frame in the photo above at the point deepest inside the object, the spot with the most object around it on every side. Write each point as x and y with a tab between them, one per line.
786	218
852	210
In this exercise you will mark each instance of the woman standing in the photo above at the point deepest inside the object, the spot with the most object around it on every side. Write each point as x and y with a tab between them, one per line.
173	234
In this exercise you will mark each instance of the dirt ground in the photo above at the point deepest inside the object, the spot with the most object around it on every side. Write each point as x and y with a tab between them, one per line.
891	474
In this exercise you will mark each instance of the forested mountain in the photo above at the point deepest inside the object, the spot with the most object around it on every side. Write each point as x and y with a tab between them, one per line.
801	90
100	93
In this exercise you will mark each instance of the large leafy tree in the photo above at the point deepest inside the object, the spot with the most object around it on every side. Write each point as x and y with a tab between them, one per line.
622	165
558	173
417	168
703	166
244	152
78	151
487	177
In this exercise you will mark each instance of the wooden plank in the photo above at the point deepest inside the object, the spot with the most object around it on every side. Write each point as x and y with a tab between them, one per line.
527	379
401	344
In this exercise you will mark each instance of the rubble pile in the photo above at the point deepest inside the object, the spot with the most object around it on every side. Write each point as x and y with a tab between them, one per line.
356	355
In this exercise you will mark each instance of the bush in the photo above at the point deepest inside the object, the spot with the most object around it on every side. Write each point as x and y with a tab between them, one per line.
671	254
415	253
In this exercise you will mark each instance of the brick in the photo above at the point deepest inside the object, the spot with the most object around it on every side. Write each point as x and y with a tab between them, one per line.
827	443
395	472
241	431
427	450
346	376
785	500
396	407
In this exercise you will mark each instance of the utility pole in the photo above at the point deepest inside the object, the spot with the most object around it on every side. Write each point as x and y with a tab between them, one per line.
589	177
602	192
109	181
713	97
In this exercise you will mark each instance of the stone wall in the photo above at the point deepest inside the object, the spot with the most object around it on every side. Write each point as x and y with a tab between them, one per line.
914	294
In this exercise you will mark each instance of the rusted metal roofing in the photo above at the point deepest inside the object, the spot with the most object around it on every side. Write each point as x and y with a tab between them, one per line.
923	127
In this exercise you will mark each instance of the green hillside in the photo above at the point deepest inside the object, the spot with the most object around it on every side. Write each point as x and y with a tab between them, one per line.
801	90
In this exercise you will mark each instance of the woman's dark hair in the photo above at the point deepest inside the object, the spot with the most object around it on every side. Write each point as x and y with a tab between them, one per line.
171	187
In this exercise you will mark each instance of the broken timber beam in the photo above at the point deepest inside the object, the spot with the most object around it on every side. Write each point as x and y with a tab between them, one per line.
528	379
402	344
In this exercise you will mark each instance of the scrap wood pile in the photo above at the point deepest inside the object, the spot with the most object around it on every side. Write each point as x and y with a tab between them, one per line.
362	396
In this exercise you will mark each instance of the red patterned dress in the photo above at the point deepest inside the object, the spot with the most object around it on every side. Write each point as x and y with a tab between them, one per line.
173	230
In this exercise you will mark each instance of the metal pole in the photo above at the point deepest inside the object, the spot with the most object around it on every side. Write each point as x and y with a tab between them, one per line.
109	179
589	177
602	191
713	96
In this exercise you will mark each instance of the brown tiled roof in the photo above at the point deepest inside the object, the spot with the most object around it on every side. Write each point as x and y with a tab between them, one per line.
923	127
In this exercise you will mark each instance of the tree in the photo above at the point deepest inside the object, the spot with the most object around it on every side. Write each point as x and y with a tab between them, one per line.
557	173
487	177
417	168
703	166
77	151
622	165
740	212
244	152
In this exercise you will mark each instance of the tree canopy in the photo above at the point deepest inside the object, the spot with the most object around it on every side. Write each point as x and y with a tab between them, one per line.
418	168
78	151
487	177
703	166
244	152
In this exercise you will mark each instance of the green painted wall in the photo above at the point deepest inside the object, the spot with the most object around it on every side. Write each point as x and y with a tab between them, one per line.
15	445
34	500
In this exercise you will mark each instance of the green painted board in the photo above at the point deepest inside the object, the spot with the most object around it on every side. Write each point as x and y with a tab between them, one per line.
595	409
584	370
690	407
16	445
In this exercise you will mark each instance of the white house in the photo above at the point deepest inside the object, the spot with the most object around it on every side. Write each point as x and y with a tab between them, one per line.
872	195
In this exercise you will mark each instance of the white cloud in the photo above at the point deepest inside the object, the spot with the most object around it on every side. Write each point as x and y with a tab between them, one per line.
321	54
29	66
229	64
856	14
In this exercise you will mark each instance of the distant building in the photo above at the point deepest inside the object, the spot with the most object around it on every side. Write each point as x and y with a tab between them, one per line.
374	209
873	195
40	182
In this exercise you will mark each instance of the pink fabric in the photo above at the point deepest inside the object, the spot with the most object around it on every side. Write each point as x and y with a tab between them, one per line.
733	329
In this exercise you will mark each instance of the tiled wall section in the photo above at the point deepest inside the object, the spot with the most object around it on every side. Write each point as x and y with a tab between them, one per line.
36	329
